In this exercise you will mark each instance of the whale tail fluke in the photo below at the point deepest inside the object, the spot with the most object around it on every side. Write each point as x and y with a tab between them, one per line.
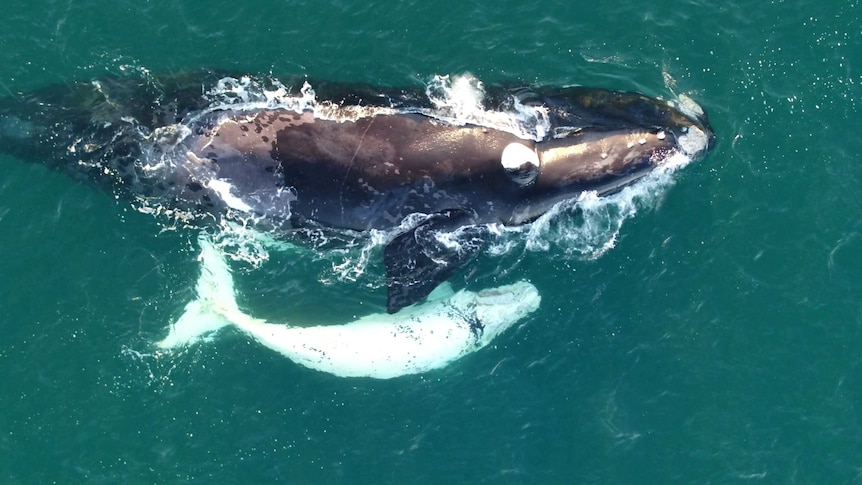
197	322
215	306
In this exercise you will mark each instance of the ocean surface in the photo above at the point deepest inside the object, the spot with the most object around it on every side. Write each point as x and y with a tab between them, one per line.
718	341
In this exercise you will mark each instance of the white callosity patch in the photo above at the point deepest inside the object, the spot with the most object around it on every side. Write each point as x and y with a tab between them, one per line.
521	163
693	142
247	93
417	339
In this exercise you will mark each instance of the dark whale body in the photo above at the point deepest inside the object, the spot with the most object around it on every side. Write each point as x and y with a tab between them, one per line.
369	160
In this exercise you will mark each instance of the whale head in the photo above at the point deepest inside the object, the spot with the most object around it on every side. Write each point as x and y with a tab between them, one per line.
602	140
493	310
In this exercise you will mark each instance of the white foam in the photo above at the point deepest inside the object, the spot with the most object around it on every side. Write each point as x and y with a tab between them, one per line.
222	188
459	100
588	226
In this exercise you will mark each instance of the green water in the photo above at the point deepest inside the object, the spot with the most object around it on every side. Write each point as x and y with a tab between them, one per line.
720	341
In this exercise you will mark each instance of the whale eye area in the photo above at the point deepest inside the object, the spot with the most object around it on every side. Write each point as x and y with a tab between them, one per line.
521	163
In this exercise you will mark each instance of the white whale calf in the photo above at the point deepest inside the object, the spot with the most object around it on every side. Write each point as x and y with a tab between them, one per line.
417	339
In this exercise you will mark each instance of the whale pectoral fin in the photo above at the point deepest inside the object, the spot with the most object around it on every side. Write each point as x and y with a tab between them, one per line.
418	260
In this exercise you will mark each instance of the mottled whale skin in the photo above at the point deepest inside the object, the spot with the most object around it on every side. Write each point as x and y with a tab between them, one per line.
369	160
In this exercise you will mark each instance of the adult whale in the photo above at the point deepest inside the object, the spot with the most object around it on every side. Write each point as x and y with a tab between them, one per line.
352	158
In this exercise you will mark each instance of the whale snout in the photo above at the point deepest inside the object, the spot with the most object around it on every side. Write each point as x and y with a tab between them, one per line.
498	308
695	140
694	133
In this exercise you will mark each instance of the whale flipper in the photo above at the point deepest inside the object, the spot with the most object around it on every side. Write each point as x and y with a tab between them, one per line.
418	260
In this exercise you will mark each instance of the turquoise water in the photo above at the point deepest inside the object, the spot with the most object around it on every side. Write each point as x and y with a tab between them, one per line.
719	341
